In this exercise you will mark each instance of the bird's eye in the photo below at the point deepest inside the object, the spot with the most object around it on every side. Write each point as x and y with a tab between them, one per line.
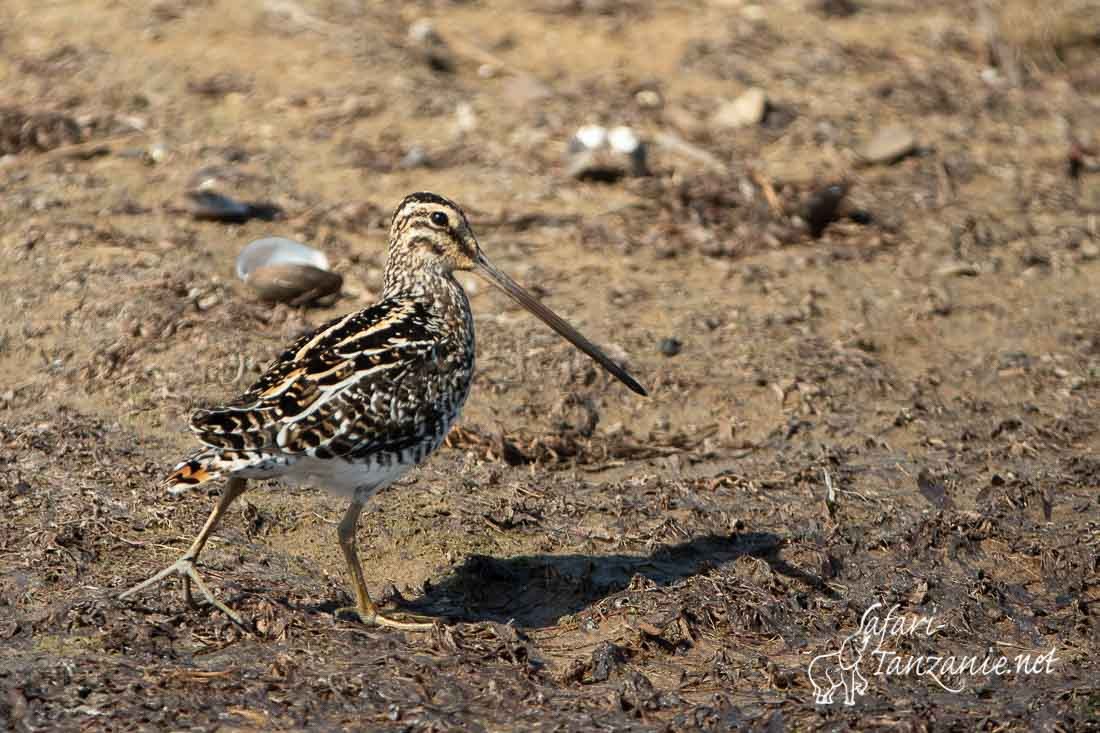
439	219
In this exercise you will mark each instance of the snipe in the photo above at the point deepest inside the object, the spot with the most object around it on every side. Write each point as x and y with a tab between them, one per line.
354	405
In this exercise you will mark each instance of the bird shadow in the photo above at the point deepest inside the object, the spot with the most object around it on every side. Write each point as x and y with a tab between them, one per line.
534	591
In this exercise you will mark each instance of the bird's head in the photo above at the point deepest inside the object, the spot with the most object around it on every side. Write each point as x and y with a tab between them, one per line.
430	237
430	233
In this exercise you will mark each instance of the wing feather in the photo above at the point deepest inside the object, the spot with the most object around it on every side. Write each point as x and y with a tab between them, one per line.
376	380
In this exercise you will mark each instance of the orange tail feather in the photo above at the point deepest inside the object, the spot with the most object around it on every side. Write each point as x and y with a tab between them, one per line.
195	470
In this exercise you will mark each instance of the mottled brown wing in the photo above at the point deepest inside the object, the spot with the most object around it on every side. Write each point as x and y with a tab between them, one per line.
362	383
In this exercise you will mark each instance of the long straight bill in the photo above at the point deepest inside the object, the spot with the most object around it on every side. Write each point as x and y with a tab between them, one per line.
551	319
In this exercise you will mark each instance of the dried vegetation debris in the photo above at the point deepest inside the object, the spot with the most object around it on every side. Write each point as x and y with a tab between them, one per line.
739	215
35	131
573	447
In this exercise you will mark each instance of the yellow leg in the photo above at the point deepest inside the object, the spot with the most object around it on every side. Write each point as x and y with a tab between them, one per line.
364	607
185	566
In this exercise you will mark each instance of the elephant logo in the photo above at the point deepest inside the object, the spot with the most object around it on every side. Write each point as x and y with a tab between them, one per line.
830	671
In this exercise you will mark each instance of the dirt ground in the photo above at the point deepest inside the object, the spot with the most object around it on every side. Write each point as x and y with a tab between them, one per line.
902	410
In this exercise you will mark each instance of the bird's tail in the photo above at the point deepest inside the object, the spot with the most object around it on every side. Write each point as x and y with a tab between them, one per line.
206	465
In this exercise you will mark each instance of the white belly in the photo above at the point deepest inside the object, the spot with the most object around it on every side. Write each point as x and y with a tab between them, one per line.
349	480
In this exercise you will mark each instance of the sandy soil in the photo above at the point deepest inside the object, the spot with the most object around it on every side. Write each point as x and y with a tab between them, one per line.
606	561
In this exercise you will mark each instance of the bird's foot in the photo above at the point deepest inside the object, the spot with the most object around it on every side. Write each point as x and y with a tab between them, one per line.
371	617
185	569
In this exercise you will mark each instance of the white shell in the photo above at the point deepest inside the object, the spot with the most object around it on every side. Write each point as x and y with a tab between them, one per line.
623	140
277	251
591	136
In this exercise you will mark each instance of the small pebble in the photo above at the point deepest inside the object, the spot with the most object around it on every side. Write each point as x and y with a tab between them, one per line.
745	111
754	13
958	269
465	118
357	106
156	153
431	46
670	346
889	145
648	99
207	301
416	157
